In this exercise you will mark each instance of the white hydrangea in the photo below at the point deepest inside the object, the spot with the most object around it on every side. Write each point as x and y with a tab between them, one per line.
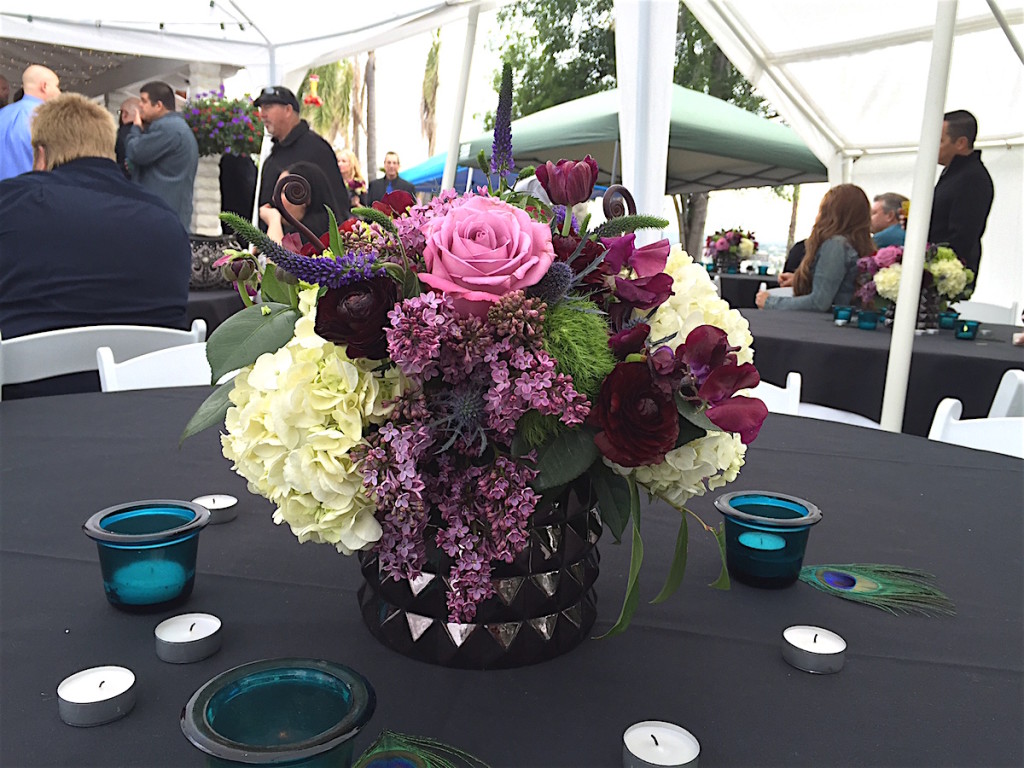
950	277
296	414
694	302
691	470
887	281
746	248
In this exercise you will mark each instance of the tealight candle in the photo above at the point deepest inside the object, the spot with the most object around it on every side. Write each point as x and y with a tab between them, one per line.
96	696
654	743
223	507
188	637
813	649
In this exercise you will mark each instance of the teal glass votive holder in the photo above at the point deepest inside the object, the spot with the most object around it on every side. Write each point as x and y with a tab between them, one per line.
765	536
280	712
967	329
947	320
867	321
842	315
710	266
147	552
762	269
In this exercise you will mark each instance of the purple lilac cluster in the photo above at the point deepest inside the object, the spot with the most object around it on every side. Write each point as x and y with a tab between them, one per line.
486	511
330	272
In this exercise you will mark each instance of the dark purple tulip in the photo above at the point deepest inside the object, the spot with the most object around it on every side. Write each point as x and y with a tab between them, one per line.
569	182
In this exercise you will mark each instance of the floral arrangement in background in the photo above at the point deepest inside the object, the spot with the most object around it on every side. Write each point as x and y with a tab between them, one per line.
424	383
880	275
224	126
730	246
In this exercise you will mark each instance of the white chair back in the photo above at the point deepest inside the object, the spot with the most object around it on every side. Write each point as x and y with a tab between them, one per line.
1000	435
1009	398
780	399
182	366
988	313
71	350
825	413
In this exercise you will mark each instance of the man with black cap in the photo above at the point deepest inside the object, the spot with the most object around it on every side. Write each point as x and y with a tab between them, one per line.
295	142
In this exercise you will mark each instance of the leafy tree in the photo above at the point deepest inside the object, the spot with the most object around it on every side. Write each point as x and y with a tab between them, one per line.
428	105
333	117
564	49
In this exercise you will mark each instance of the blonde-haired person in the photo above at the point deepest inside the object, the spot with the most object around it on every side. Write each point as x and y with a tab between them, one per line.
351	174
114	253
827	274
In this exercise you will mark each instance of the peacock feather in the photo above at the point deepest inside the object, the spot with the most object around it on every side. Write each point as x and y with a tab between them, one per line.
892	588
398	750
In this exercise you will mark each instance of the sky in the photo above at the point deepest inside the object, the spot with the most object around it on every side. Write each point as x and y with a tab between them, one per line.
399	78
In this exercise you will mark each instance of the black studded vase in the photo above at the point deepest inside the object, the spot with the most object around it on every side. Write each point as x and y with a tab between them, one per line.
544	605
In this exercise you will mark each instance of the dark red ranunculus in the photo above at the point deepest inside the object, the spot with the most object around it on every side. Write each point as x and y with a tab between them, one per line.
356	315
744	415
629	340
568	182
639	423
394	204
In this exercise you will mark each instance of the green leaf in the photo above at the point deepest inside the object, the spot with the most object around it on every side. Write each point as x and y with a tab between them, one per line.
374	216
526	173
274	290
483	163
636	559
210	412
695	415
565	458
678	568
246	335
335	236
722	582
612	491
519	445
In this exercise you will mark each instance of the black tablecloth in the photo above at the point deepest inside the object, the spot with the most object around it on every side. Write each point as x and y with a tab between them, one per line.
844	367
740	289
213	306
915	691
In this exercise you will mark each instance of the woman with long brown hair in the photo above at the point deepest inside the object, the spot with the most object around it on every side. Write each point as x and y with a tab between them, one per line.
827	274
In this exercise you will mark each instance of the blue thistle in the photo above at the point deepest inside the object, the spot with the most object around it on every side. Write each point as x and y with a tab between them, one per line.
554	285
501	149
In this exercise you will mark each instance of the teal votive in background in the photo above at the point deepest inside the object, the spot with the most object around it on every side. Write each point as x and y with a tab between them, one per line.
765	536
280	712
867	321
842	315
967	329
762	269
947	320
147	552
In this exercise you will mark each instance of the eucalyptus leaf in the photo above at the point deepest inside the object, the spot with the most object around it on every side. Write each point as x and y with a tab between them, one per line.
636	559
612	491
722	582
678	567
246	335
565	458
211	412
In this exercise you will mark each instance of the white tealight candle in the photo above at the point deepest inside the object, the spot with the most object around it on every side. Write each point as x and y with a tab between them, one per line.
188	637
223	507
654	743
96	696
813	649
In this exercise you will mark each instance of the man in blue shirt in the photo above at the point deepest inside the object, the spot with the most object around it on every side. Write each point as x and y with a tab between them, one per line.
164	157
885	220
40	85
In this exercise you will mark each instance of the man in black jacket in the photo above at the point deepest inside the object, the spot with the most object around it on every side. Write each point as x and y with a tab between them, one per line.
294	141
963	195
389	182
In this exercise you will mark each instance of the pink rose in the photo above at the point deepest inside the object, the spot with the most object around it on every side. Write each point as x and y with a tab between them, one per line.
722	244
483	250
888	256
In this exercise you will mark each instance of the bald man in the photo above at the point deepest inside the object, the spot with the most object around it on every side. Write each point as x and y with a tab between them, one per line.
40	85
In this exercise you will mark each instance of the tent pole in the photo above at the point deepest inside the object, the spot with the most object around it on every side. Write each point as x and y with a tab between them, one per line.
451	162
615	162
897	372
1001	18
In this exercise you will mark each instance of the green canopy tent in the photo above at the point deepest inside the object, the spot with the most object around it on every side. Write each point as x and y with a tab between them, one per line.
712	144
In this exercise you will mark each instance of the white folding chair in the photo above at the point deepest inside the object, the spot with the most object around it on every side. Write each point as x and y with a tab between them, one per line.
825	413
1000	435
988	313
71	350
780	399
182	366
1009	397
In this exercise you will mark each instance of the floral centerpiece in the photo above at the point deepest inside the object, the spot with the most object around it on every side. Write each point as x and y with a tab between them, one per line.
945	277
425	380
728	247
224	126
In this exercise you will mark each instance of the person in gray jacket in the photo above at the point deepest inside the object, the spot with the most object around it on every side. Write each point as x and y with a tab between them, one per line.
163	151
827	274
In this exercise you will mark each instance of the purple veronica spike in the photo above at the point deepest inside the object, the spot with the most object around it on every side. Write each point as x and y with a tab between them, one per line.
326	271
501	149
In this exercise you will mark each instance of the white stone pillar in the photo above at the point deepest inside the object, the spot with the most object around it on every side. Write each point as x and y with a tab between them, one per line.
204	76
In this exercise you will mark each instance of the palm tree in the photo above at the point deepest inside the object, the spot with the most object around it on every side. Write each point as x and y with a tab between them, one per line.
358	96
428	106
334	115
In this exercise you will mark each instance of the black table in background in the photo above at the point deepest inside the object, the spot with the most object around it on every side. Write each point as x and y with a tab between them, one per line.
740	289
214	306
844	367
915	691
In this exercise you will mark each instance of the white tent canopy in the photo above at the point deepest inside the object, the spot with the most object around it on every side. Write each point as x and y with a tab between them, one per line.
850	79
